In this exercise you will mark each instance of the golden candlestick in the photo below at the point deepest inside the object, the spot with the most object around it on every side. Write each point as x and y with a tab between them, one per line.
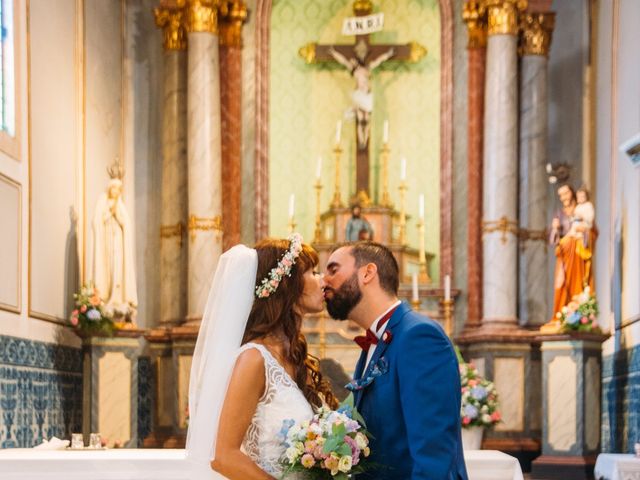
337	201
422	254
318	231
447	311
403	213
292	225
415	303
386	199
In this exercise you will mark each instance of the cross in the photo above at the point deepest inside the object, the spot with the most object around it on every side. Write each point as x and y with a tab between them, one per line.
361	59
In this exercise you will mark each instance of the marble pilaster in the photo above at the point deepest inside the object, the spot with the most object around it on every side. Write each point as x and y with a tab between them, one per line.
173	246
533	275
500	158
473	15
203	151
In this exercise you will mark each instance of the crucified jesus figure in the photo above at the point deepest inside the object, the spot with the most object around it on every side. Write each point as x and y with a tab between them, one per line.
362	96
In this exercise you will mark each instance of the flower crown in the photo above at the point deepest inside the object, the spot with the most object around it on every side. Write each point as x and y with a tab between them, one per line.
270	283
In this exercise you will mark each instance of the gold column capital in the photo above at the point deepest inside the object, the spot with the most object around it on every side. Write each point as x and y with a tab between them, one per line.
362	7
201	16
474	15
502	16
170	20
536	33
233	15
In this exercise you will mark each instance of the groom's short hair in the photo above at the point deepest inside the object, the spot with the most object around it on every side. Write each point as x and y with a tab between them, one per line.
372	252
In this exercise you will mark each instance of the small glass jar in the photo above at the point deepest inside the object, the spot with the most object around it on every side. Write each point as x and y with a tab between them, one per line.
95	441
77	440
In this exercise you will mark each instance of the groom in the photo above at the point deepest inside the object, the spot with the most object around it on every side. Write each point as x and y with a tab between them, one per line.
407	383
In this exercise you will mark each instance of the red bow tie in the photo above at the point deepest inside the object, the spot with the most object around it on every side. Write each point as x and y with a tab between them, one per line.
370	338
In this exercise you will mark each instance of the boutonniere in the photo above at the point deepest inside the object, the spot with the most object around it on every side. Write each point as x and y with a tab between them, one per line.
387	336
379	368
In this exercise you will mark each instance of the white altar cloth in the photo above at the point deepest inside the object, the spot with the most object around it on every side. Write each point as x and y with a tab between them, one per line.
617	466
170	464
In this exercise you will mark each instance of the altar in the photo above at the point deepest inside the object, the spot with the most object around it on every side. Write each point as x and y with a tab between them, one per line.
171	464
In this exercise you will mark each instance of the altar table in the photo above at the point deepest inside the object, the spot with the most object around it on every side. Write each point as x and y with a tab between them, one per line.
617	466
170	464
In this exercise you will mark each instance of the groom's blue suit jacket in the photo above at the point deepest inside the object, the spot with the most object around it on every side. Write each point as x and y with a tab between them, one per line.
412	407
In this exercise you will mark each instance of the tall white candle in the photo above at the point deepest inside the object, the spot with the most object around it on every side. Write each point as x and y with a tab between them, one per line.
403	169
421	206
385	132
447	287
292	201
338	130
319	167
414	284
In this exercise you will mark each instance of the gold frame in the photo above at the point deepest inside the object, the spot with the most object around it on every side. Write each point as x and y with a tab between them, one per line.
10	145
5	306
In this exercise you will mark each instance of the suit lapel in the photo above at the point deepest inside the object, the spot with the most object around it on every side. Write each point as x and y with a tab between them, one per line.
358	374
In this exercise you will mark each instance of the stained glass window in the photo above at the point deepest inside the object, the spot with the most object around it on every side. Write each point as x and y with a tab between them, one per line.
7	73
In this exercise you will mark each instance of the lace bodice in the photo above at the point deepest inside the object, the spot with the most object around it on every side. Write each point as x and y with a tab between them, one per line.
282	400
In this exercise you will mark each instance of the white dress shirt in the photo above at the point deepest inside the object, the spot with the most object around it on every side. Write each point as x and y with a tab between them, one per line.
374	328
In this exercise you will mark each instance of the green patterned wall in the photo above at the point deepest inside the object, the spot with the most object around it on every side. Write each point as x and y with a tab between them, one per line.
307	100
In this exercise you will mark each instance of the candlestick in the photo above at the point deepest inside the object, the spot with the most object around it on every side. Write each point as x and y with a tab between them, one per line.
386	198
447	287
414	287
337	201
318	230
422	255
292	201
447	314
403	169
403	213
421	207
338	131
385	132
319	167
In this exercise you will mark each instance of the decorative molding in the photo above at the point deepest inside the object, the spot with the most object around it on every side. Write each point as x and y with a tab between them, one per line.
474	15
502	16
204	224
533	235
536	33
503	225
201	16
233	15
171	20
170	231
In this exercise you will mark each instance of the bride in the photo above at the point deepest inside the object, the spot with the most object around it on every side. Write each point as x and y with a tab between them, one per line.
251	370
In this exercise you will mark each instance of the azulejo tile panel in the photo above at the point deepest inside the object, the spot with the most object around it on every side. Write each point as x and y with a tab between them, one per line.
40	391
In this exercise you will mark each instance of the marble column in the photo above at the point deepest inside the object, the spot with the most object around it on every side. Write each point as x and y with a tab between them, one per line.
173	248
203	153
473	15
533	271
500	173
231	21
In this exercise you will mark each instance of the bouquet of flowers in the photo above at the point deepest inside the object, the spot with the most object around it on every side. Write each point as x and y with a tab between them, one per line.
89	316
332	445
580	314
479	399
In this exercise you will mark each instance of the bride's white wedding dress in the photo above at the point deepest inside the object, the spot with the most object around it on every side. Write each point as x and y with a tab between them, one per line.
282	400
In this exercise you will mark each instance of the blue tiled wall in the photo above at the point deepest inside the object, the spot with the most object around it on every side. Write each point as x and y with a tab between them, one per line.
145	398
621	400
40	391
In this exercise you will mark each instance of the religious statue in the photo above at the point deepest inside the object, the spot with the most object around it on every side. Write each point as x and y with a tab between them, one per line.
362	96
113	266
358	228
573	234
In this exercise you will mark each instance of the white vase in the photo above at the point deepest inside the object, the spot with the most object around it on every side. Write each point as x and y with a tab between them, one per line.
472	438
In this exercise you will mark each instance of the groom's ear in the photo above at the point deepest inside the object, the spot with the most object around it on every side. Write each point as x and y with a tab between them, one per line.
370	271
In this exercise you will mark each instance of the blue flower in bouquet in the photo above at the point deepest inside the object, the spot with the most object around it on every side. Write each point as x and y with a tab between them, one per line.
93	315
470	411
479	393
286	425
574	318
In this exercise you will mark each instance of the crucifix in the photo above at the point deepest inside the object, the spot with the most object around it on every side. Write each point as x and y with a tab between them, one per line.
360	60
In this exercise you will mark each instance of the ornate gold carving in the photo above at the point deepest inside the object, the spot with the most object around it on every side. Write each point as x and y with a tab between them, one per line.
170	20
204	224
474	15
308	52
170	231
537	30
416	52
201	16
362	7
502	16
504	225
535	235
233	15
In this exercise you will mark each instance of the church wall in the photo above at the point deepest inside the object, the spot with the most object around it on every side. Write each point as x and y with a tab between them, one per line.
306	101
618	218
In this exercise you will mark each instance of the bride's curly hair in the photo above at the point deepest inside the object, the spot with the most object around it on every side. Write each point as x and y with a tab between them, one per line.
276	316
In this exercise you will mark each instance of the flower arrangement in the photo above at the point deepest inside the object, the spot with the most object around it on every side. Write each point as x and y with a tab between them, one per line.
332	445
479	399
269	284
580	314
89	316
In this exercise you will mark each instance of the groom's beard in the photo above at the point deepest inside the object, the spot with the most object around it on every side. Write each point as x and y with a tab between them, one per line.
344	299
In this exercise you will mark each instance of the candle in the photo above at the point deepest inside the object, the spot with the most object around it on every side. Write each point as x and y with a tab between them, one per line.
447	287
338	131
319	167
421	206
414	284
292	201
403	169
385	132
